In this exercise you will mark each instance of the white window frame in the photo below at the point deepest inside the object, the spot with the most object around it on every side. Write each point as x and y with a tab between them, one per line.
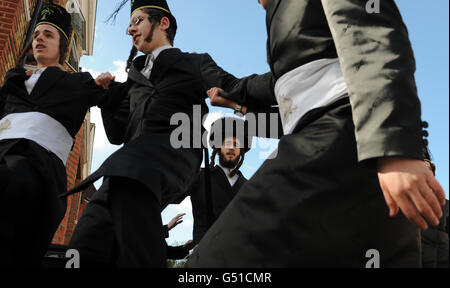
27	10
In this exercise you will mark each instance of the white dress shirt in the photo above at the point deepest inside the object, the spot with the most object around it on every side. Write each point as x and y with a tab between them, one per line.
31	82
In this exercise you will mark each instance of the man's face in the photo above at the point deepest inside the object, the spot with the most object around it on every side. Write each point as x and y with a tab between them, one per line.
46	44
230	152
146	36
263	3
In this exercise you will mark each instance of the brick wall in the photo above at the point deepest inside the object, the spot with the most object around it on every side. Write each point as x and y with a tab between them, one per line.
13	30
73	170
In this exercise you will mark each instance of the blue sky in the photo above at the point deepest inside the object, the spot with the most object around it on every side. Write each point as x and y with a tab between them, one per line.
233	32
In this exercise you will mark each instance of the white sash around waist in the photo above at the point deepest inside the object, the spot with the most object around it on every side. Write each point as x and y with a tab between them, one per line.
40	128
313	85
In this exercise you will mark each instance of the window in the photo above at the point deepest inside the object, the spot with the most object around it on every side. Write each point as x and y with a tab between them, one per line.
73	55
26	5
78	21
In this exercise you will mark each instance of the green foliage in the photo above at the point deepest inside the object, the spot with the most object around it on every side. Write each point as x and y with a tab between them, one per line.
172	263
176	263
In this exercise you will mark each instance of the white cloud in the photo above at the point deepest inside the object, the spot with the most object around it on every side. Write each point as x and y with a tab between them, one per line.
93	73
185	206
97	32
101	143
188	222
250	167
120	73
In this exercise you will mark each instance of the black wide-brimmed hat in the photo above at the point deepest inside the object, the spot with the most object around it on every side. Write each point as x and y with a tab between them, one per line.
154	4
57	17
230	127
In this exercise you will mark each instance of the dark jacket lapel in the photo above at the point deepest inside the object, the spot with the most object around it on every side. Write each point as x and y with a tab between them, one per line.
221	178
165	60
15	83
49	77
15	73
239	183
135	72
271	10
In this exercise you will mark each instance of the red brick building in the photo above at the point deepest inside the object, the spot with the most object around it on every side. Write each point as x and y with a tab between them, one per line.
15	21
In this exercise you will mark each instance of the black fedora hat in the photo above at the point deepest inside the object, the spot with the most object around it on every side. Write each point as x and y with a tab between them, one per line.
154	4
230	127
57	17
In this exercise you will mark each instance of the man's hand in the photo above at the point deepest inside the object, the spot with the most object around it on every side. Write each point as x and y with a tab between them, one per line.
217	100
189	245
104	80
409	184
175	221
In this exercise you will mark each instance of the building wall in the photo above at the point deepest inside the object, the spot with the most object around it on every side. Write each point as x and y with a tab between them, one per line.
15	16
65	229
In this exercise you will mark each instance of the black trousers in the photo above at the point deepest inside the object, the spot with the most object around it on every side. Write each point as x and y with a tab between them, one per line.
121	227
4	177
313	205
26	227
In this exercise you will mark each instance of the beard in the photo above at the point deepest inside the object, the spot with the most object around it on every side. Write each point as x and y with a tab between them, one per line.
230	164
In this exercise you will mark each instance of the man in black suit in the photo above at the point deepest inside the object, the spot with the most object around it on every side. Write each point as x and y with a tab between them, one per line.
41	111
151	171
226	179
344	82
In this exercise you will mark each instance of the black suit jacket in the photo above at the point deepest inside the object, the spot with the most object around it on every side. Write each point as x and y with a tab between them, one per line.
140	118
63	96
376	59
66	98
222	194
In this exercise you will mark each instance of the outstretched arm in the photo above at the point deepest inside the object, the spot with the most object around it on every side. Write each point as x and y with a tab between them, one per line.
255	91
116	113
271	120
102	91
112	98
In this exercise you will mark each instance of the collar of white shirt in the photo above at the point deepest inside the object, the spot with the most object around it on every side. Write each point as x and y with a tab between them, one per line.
151	59
39	71
227	171
31	82
159	50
